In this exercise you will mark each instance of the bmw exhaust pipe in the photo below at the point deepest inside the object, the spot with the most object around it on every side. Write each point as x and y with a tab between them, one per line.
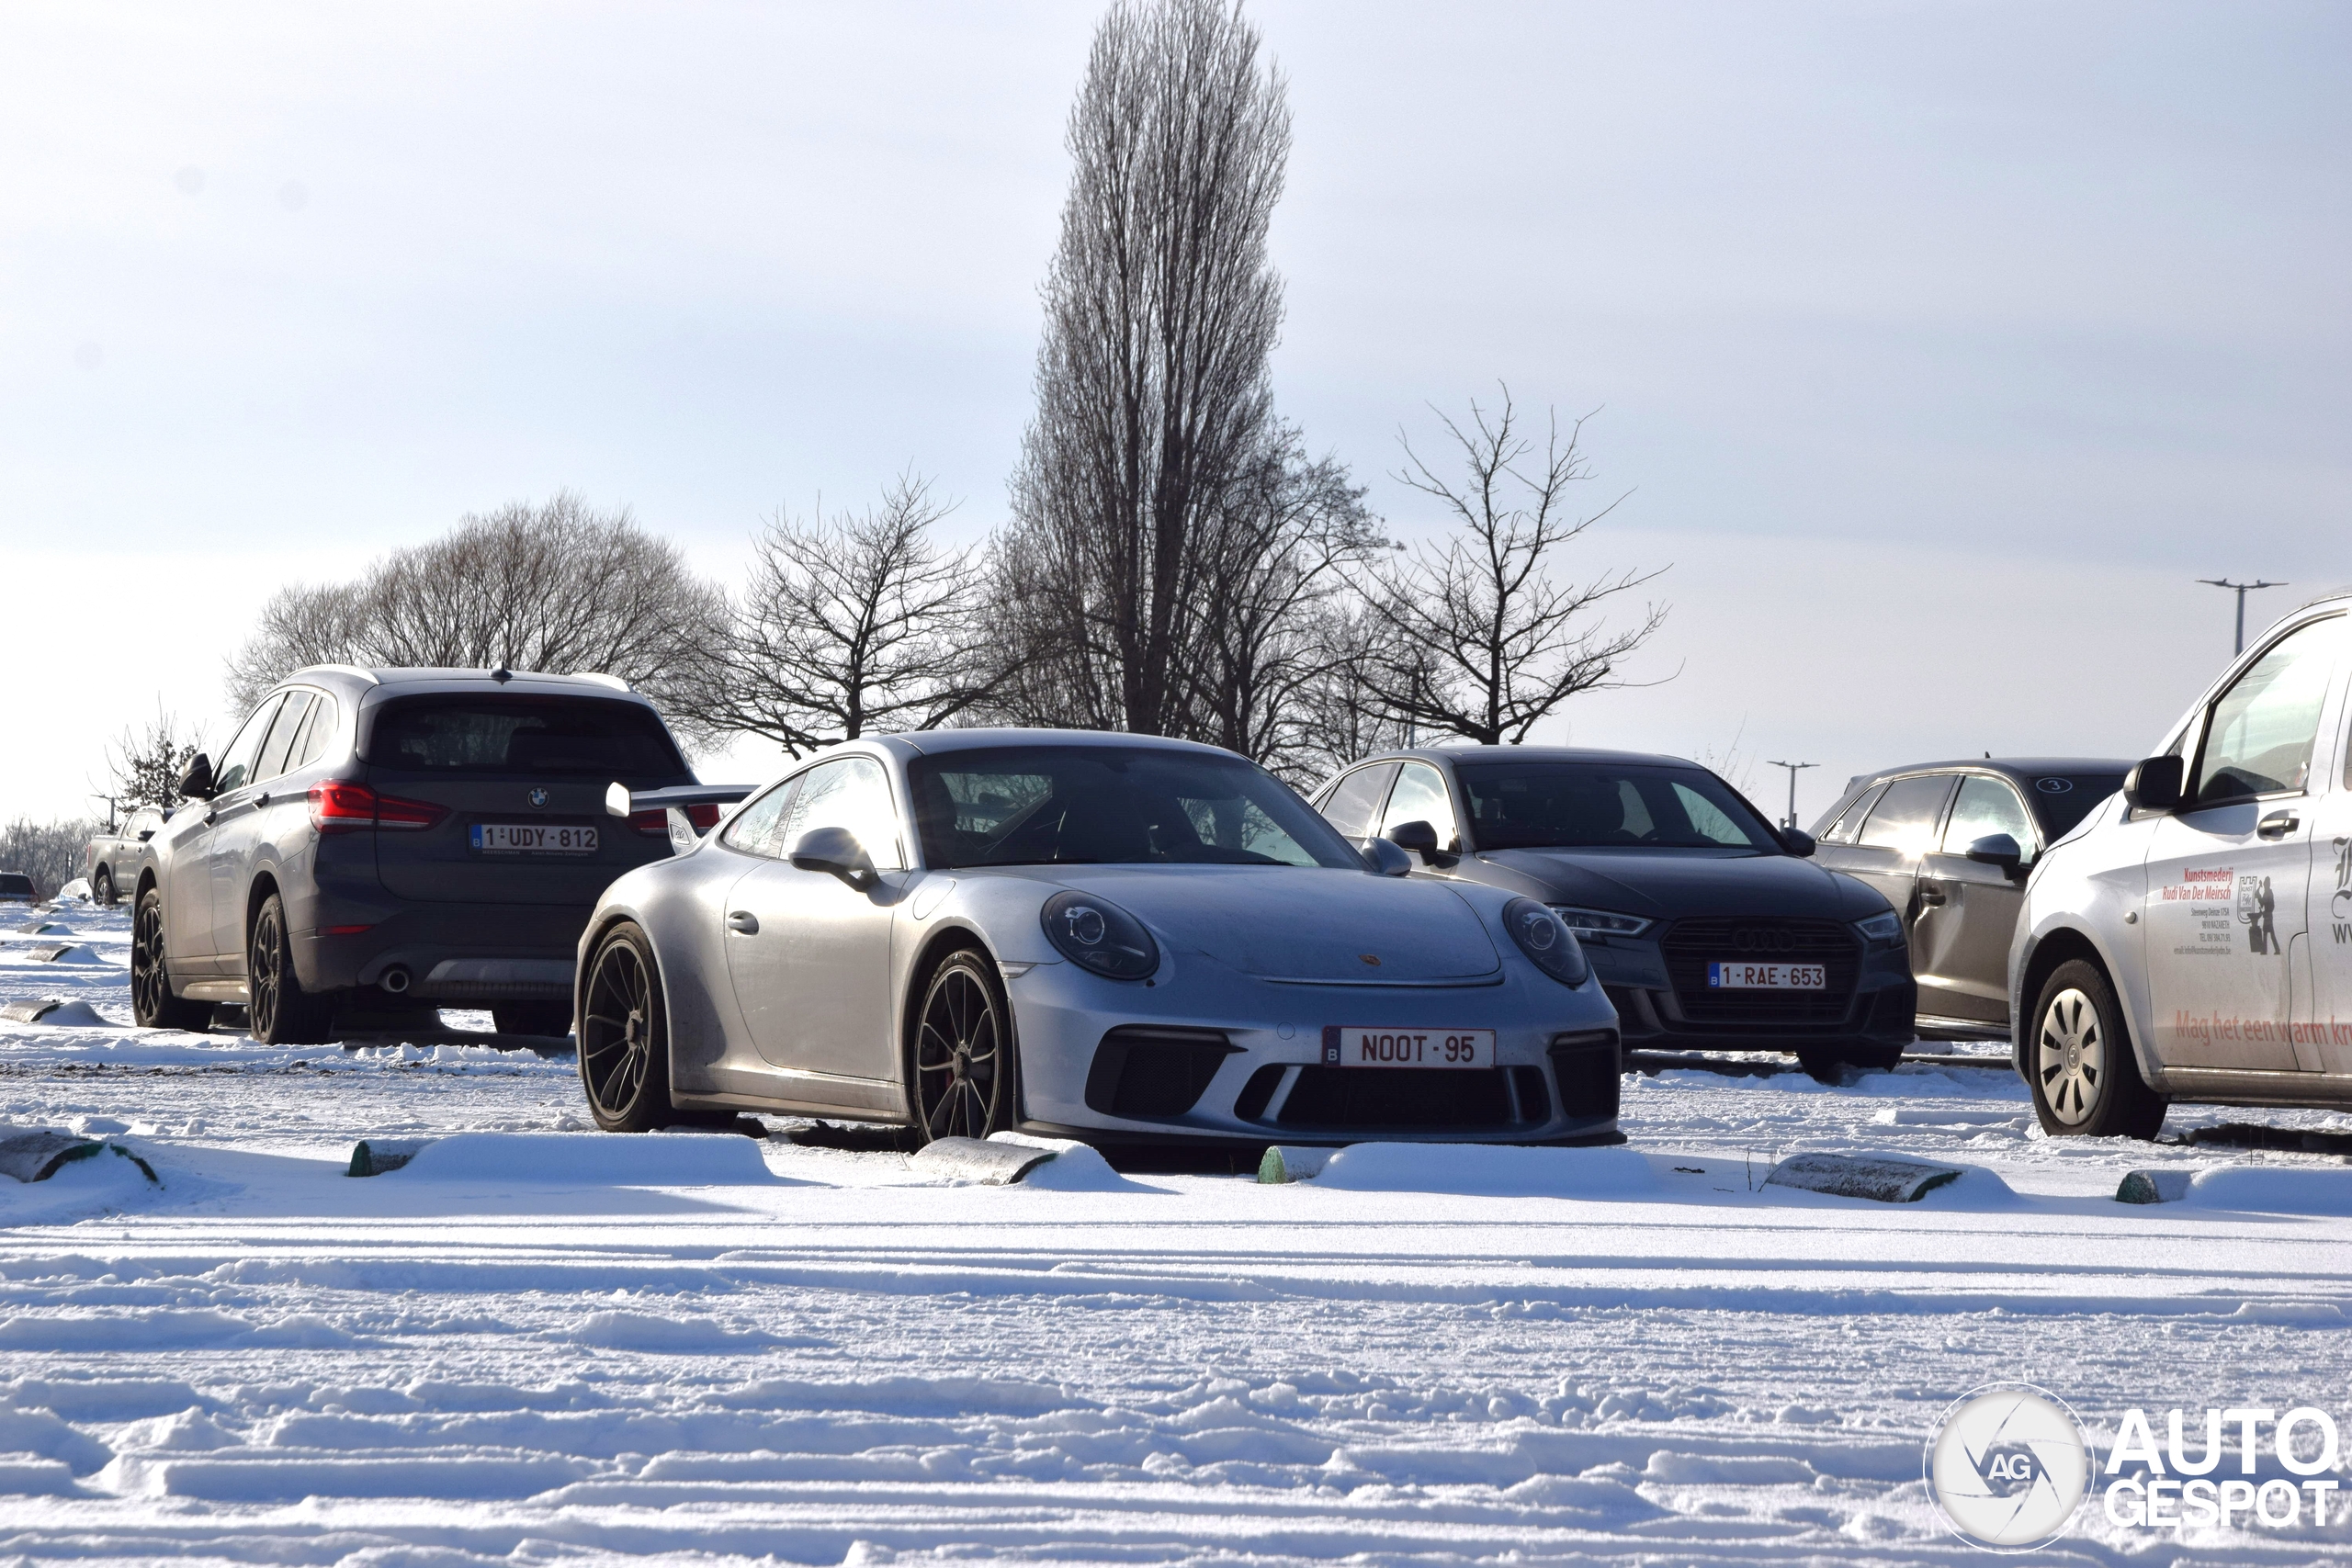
395	979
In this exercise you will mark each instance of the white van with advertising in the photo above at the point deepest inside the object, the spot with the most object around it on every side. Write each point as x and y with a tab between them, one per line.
2192	938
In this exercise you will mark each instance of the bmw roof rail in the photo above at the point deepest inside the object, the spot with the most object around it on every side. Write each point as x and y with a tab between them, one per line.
368	675
615	682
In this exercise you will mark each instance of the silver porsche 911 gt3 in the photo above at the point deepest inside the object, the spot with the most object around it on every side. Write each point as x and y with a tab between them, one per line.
1112	937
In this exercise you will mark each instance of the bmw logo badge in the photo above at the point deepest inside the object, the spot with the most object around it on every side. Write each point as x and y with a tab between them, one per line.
539	797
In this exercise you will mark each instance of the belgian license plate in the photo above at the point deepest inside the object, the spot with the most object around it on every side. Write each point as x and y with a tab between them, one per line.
1766	978
1373	1046
533	839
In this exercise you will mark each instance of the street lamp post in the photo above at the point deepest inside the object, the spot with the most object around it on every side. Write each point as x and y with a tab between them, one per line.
1795	768
2239	646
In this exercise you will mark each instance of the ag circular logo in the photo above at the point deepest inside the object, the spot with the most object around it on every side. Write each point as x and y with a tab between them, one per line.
2008	1465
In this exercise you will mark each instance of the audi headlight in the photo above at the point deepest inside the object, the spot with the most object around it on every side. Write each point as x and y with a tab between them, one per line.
1882	930
1601	922
1096	934
1547	940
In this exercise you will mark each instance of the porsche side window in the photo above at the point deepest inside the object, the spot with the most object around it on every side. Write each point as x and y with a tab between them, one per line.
1354	798
2260	738
1850	821
754	831
1419	797
852	793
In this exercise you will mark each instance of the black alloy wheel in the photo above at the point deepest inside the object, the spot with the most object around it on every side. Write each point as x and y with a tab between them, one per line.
279	1012
966	1069
151	1003
624	1037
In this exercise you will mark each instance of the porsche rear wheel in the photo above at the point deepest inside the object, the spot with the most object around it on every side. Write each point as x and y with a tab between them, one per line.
963	1065
625	1036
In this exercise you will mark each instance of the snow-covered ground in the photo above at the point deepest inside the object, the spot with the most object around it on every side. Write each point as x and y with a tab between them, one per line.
795	1350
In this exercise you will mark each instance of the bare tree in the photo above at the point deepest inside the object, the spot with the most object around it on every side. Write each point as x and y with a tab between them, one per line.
49	853
850	626
559	586
144	766
1477	639
1153	394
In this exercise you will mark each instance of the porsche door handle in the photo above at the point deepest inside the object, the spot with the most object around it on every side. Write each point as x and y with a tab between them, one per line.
746	921
2278	825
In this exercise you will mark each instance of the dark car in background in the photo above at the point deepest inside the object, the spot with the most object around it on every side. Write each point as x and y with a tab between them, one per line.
1710	928
15	887
1950	845
399	837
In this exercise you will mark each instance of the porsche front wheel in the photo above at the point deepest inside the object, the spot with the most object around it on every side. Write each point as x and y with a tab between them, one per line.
966	1070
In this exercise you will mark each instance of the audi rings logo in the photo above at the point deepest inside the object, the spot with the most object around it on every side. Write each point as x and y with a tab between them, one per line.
2008	1465
1765	941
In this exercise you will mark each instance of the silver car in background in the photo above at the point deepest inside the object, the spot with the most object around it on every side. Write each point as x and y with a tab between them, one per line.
1113	937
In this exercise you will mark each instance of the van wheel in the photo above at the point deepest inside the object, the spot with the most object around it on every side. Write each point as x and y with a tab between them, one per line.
102	889
151	1003
625	1036
2079	1065
279	1012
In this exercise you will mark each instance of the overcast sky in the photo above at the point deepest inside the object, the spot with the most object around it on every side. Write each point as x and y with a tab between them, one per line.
1941	347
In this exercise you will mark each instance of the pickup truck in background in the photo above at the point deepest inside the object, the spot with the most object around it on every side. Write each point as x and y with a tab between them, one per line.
111	861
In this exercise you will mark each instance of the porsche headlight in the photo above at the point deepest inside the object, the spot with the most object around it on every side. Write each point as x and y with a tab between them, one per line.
1096	934
1882	930
1601	922
1547	940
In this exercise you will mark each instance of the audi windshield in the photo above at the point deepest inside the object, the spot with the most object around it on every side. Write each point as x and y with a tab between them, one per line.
1586	806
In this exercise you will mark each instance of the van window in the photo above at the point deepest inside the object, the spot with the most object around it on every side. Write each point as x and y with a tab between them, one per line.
2259	740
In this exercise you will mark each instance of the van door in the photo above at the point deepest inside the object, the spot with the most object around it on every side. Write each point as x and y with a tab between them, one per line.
2328	1046
2229	874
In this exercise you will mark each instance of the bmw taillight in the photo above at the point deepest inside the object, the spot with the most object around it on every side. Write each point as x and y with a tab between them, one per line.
338	806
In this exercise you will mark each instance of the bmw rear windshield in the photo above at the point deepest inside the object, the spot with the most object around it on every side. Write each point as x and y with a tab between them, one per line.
1585	805
462	735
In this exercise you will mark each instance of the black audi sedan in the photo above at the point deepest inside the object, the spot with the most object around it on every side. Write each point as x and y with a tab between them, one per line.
1710	928
1950	845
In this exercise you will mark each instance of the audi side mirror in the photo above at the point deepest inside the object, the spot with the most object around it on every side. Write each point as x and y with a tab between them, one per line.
1997	850
1798	842
197	783
1383	858
1418	837
836	853
2154	784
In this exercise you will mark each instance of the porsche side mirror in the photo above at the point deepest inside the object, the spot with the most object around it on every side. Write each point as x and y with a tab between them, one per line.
1418	837
1384	859
1798	843
2154	784
1997	850
197	783
836	853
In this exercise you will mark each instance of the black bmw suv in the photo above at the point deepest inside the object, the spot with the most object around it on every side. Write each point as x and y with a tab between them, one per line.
396	839
1710	929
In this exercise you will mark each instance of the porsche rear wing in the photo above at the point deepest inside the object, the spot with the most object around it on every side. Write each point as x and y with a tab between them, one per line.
622	801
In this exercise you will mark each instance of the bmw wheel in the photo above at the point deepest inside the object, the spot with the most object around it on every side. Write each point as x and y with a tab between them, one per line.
625	1036
280	1011
966	1070
151	1003
2079	1065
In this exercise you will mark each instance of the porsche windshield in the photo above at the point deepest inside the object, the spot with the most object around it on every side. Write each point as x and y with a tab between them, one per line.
1113	806
1530	805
